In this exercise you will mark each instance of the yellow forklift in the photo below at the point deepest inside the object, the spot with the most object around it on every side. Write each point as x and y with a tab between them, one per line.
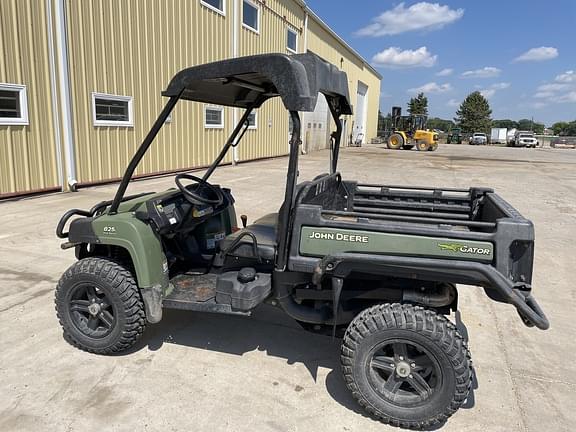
410	131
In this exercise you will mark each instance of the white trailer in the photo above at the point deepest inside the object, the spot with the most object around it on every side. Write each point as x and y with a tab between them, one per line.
498	136
510	136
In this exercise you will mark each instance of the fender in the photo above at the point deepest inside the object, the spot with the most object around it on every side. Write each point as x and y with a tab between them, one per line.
143	245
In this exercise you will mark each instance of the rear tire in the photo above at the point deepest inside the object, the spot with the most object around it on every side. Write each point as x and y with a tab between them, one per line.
395	141
99	306
422	146
406	365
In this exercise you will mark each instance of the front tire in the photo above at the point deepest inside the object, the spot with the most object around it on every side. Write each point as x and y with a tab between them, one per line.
406	365
99	306
395	141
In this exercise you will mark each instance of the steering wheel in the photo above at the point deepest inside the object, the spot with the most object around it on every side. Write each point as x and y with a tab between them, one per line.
200	192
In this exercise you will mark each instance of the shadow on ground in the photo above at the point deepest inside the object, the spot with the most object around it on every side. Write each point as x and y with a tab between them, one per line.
268	330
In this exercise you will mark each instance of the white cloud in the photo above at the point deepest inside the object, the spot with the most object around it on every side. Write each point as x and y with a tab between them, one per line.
563	90
544	94
538	54
485	72
488	93
566	77
537	105
568	97
394	57
419	16
431	87
491	91
500	86
453	103
553	87
445	72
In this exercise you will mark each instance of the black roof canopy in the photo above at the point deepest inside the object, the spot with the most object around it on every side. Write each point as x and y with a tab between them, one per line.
241	82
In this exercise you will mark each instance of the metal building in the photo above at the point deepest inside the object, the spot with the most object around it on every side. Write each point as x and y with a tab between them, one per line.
80	85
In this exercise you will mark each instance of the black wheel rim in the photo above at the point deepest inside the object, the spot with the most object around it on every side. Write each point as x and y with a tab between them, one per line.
91	310
404	373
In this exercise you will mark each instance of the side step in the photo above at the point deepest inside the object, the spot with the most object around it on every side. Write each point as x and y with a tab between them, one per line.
227	293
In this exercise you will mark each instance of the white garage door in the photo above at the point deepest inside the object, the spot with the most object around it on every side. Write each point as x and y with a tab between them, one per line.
316	126
360	109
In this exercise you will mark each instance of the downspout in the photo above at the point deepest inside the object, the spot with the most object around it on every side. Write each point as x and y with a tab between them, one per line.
305	29
235	28
65	98
54	93
303	149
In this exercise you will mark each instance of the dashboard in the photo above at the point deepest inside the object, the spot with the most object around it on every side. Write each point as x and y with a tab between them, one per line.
173	213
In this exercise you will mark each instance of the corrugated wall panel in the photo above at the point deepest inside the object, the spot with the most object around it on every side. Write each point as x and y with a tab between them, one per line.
27	153
325	45
271	136
133	48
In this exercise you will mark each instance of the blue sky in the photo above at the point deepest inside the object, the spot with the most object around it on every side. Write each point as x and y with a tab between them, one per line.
520	54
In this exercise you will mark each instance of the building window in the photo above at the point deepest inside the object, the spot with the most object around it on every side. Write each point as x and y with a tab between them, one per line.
13	104
215	5
291	40
112	110
251	16
252	120
213	117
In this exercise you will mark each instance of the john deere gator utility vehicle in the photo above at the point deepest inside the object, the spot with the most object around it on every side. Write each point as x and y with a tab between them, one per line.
410	131
374	264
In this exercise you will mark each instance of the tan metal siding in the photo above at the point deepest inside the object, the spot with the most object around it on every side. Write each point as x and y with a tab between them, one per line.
326	46
275	18
271	136
133	48
27	153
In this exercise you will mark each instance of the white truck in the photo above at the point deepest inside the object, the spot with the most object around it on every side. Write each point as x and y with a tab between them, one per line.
498	136
525	139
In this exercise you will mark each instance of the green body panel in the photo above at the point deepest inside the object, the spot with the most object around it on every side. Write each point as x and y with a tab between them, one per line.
319	242
139	239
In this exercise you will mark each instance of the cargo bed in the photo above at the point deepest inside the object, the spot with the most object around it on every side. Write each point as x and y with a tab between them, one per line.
469	236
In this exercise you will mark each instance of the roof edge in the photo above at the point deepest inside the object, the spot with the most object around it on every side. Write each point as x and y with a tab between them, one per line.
338	37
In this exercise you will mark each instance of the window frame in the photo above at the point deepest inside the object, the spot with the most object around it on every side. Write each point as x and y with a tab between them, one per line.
214	8
113	123
214	108
295	33
247	26
22	91
255	126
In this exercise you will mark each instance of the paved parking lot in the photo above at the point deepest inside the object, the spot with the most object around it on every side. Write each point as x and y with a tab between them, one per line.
207	372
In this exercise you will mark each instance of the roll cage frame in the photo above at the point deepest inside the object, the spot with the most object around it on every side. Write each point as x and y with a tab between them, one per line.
297	79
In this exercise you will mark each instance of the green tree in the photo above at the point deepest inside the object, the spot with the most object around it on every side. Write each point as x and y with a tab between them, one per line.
560	128
418	105
506	123
538	128
530	125
474	114
441	124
